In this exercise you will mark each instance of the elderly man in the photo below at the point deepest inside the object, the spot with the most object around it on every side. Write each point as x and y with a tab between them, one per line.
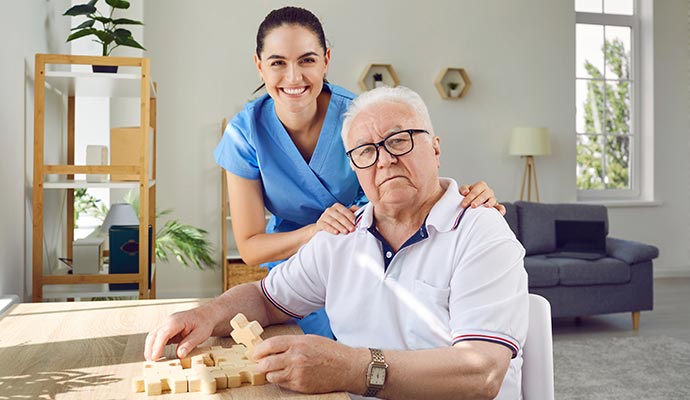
427	300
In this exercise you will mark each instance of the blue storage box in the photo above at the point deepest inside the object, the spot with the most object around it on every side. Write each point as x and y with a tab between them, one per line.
124	254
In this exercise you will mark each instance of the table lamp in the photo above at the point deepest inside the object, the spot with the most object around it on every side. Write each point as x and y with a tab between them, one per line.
528	142
119	214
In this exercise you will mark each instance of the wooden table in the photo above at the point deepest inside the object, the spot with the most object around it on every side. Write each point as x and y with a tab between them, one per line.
91	350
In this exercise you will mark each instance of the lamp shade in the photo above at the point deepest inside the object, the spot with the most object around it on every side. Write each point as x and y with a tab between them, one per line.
120	214
530	141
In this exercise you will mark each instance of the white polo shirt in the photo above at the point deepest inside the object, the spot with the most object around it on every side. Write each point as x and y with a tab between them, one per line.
465	281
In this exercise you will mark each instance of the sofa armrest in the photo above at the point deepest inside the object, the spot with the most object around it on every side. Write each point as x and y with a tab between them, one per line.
629	251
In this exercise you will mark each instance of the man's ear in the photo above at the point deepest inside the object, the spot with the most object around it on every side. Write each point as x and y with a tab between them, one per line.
436	144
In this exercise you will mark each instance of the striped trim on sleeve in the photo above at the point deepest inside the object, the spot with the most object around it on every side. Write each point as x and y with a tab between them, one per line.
488	338
276	304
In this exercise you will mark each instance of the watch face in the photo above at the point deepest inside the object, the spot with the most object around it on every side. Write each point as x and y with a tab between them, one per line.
378	376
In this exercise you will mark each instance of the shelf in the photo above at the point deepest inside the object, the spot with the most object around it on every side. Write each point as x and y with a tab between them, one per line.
388	76
451	74
76	184
80	290
54	72
74	291
89	84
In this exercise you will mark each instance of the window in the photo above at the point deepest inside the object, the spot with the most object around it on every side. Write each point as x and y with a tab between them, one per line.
607	99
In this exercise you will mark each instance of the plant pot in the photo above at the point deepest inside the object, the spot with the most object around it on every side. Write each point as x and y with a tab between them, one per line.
454	92
110	69
378	84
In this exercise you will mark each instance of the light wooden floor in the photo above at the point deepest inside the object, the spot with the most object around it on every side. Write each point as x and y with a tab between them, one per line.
670	317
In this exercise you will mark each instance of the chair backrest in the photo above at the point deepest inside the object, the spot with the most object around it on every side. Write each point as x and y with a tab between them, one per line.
537	354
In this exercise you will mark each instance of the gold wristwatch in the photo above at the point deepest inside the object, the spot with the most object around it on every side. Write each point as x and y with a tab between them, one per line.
376	373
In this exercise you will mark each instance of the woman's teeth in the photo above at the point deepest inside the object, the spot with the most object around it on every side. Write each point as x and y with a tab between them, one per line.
294	90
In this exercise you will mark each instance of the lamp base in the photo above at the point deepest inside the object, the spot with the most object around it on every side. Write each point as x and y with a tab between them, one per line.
528	174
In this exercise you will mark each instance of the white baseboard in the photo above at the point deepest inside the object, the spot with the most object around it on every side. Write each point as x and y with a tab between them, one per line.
683	272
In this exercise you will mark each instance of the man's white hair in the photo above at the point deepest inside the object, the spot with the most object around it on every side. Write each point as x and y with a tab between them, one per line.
400	95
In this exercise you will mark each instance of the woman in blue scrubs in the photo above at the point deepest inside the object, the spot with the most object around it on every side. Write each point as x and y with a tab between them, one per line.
284	151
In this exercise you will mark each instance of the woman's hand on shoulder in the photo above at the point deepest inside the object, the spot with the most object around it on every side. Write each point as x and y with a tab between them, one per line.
337	219
479	193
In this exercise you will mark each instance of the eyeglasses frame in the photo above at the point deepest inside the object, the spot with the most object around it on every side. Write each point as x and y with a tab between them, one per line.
381	143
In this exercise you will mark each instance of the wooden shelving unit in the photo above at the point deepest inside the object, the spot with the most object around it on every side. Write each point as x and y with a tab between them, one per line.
87	84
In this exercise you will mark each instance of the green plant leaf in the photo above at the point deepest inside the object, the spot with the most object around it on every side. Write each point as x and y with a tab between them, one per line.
104	20
93	2
121	4
106	37
122	33
82	33
187	243
128	41
126	21
81	9
86	24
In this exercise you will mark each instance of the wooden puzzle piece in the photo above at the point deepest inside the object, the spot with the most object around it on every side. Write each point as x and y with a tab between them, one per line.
246	333
205	370
159	377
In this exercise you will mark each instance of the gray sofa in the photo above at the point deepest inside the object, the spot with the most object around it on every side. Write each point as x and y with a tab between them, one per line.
620	282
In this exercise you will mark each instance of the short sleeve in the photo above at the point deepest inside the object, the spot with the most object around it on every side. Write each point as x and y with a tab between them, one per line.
489	297
236	151
298	286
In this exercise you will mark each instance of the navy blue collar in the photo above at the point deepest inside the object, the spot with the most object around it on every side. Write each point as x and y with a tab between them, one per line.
387	251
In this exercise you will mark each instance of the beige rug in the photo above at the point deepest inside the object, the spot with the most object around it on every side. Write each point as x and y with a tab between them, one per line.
649	368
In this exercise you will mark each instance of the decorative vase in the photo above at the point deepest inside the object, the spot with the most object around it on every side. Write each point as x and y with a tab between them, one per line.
378	84
110	69
454	92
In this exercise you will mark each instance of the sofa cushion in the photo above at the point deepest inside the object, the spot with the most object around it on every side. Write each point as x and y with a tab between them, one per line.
604	271
541	271
512	218
536	225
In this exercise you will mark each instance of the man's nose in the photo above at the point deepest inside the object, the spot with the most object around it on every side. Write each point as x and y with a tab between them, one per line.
385	158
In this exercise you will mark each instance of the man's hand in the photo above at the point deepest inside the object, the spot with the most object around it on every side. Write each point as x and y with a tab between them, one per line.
479	193
312	364
188	329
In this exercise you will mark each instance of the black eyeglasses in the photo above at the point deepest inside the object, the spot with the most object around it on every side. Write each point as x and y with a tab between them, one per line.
396	144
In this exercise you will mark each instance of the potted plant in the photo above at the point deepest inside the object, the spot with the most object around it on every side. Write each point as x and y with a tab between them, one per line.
454	89
378	80
111	36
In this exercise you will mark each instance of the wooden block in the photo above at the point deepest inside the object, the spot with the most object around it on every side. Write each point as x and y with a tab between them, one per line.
245	332
153	386
138	384
206	370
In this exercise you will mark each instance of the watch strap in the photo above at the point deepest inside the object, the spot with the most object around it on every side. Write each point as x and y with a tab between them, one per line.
377	360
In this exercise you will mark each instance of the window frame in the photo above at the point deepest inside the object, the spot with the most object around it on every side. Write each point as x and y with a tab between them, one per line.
635	191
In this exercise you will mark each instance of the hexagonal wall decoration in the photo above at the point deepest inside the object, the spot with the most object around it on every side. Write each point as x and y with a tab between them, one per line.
452	83
375	75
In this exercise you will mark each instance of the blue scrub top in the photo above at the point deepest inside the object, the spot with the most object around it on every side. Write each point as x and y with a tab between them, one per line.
256	145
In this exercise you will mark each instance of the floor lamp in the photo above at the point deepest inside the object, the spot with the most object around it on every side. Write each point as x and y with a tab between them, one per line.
528	142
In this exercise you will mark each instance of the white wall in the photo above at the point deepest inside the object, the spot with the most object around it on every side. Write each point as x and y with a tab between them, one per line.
28	27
